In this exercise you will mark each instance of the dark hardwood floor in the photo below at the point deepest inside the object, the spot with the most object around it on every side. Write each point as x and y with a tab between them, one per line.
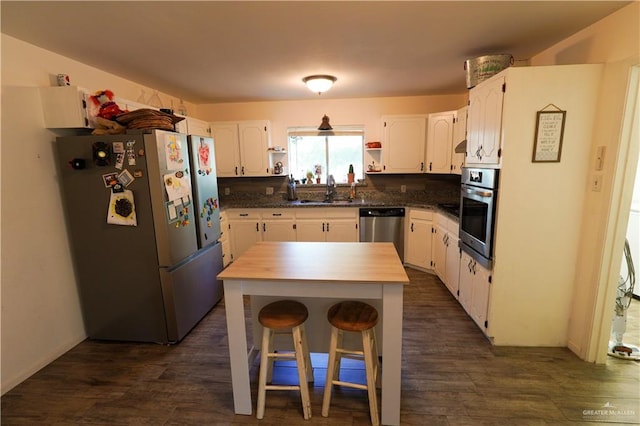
451	376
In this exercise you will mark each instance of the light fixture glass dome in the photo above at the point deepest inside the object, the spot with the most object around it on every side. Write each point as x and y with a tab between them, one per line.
319	83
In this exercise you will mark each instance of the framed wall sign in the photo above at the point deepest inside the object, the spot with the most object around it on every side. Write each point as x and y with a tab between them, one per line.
547	145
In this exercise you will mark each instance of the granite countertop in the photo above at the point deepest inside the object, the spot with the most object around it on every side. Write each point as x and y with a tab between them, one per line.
418	199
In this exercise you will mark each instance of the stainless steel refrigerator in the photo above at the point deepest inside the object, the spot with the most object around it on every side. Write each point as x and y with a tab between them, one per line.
143	222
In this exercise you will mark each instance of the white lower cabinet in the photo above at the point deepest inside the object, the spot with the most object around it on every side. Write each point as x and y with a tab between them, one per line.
327	224
418	235
452	270
244	230
475	290
248	226
224	239
278	225
446	254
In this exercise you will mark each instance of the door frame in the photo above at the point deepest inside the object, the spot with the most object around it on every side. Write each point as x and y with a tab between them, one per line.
617	218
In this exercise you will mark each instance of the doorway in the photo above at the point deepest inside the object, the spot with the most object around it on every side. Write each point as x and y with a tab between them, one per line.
624	181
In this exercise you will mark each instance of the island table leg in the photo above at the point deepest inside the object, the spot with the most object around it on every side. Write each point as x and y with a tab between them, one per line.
391	353
237	336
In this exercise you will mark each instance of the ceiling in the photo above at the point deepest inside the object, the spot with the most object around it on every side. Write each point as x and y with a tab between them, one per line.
240	51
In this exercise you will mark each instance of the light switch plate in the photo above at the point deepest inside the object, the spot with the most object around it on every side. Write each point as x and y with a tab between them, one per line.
600	157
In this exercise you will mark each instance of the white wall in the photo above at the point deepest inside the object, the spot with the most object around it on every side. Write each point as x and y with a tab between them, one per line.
615	42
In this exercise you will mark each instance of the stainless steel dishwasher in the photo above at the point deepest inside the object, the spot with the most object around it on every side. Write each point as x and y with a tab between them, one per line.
383	224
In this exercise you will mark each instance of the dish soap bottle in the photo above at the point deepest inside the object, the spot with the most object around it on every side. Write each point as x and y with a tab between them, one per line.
352	191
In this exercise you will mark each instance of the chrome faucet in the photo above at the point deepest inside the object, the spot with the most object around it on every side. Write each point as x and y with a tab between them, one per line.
331	188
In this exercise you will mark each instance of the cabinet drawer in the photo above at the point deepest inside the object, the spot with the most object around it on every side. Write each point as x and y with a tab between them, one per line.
275	214
326	213
421	214
235	214
453	226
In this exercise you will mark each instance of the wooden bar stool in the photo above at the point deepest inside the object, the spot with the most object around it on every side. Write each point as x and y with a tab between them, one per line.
353	316
284	317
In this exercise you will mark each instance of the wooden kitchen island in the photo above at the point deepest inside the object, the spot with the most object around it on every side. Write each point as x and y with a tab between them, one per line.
322	273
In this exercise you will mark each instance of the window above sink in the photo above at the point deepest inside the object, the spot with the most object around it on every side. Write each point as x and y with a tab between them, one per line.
334	151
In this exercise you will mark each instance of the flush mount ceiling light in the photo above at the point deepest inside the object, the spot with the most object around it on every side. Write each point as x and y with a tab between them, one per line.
319	83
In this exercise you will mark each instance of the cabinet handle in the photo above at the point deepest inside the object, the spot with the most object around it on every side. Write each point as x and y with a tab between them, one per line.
430	164
327	227
264	227
244	214
323	227
276	214
236	171
422	166
474	267
257	227
469	265
242	170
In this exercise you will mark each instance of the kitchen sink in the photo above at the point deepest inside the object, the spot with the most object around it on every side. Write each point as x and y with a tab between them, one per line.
320	202
338	202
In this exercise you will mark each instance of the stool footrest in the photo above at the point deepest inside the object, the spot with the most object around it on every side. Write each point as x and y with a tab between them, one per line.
349	352
281	355
349	384
281	387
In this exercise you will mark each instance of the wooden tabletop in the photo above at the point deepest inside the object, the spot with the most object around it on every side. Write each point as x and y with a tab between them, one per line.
302	261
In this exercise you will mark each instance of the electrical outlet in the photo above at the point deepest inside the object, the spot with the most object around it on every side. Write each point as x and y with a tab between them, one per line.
269	190
403	188
227	191
596	183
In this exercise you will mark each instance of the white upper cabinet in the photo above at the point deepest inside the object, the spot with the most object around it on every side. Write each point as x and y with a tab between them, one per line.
439	142
225	139
241	148
193	126
484	125
403	143
253	137
459	136
65	107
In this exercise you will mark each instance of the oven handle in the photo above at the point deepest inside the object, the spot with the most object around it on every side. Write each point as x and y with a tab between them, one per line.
479	193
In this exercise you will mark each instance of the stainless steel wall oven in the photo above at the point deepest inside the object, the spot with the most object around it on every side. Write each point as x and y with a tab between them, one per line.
478	198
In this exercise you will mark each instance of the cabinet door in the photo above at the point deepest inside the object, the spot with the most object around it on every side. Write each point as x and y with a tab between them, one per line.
226	252
419	243
311	230
439	140
278	230
485	122
254	143
341	230
225	141
480	295
452	270
65	107
244	234
439	263
459	135
197	127
403	142
465	288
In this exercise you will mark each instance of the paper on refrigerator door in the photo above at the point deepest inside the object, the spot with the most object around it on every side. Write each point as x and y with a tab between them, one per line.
177	185
122	209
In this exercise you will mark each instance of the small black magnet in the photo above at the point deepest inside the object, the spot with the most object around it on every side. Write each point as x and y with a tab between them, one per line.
78	163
